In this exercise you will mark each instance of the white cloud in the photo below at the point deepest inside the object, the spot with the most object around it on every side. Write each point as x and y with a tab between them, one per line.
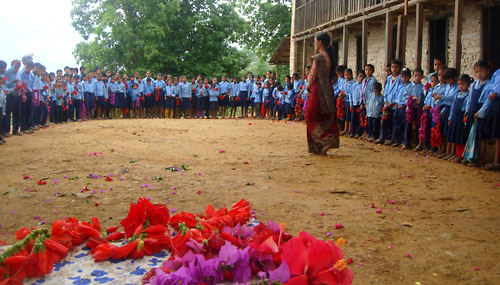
39	27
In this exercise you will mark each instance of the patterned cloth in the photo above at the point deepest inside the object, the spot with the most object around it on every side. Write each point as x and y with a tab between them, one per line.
79	268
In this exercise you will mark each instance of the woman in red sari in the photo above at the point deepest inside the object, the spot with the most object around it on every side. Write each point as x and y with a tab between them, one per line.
322	130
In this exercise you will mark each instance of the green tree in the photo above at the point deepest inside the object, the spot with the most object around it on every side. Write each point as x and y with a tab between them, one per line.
174	36
268	21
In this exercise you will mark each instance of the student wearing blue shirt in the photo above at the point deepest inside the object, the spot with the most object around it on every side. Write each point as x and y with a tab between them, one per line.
213	93
169	99
258	99
346	94
457	135
59	101
77	99
201	93
450	75
416	100
425	143
400	99
267	100
135	98
120	100
475	102
26	78
280	100
149	96
234	97
185	96
356	105
224	87
374	111
289	98
391	87
101	95
159	96
492	117
244	95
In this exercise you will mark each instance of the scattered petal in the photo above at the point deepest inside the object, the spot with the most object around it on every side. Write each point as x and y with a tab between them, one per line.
378	211
198	192
328	234
321	213
122	178
298	192
96	204
222	151
36	217
339	226
26	177
55	181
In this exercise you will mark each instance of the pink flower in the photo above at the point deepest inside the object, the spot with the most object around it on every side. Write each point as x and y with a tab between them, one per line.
339	226
409	175
222	151
298	192
409	255
389	247
321	213
390	201
26	177
173	192
122	178
328	234
198	192
55	181
378	211
372	205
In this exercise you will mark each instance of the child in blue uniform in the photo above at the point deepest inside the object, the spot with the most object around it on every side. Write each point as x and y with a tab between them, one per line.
244	95
475	101
213	93
201	93
100	93
185	95
391	87
258	100
135	100
491	109
424	137
120	100
267	98
400	100
367	93
234	97
374	111
450	75
357	106
169	99
77	99
414	108
159	96
457	135
224	98
346	94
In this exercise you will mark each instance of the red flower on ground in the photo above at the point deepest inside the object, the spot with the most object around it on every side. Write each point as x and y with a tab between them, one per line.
314	261
144	211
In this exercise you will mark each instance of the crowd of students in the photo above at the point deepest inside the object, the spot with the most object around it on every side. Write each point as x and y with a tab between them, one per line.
435	115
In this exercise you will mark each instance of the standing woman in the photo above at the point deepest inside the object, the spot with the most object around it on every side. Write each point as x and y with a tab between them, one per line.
320	116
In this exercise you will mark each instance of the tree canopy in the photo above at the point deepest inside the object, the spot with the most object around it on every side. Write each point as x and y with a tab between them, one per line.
177	36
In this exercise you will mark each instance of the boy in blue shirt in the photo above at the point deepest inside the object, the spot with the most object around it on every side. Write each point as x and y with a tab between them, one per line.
77	99
224	92
346	94
257	94
391	87
414	112
400	100
356	106
374	111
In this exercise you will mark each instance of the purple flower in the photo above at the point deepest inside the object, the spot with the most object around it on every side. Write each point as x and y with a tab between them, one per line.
228	254
122	178
55	181
280	274
94	176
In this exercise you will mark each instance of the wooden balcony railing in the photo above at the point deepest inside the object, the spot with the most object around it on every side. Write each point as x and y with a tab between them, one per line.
314	13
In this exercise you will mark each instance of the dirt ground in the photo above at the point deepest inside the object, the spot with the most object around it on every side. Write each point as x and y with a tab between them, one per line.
439	221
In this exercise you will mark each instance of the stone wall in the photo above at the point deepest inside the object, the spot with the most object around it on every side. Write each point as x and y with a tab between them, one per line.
471	40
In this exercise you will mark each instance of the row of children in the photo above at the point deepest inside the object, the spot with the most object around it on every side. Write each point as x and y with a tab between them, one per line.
440	116
32	97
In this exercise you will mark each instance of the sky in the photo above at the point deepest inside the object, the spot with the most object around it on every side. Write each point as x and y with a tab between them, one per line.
41	28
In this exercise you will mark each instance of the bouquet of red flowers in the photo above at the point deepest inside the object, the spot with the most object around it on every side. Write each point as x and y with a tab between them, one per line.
436	137
340	108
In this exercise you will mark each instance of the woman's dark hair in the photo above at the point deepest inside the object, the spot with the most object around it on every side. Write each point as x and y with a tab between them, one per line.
325	39
465	78
450	73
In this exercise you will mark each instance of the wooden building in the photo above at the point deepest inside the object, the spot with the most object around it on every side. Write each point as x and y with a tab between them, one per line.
416	31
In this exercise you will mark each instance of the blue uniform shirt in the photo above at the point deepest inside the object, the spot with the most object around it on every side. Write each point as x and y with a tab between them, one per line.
493	87
234	89
244	87
374	106
449	95
214	93
224	87
391	88
184	90
100	89
348	89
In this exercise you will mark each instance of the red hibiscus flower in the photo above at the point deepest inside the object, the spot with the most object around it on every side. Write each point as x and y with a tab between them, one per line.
189	219
144	211
314	261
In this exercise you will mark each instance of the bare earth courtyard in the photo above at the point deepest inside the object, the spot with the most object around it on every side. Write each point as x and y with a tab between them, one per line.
407	219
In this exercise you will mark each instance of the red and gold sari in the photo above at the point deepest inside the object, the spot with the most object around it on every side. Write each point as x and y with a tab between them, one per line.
320	116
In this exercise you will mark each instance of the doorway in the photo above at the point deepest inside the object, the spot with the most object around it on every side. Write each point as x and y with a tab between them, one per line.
438	33
491	37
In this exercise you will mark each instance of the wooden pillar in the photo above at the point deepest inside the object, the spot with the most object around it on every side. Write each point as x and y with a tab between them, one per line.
419	28
345	52
401	40
277	71
364	44
304	63
457	31
388	38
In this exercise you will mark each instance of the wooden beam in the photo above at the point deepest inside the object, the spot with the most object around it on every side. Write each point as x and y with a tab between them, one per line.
364	45
457	31
304	49
388	38
419	27
277	71
401	38
345	48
